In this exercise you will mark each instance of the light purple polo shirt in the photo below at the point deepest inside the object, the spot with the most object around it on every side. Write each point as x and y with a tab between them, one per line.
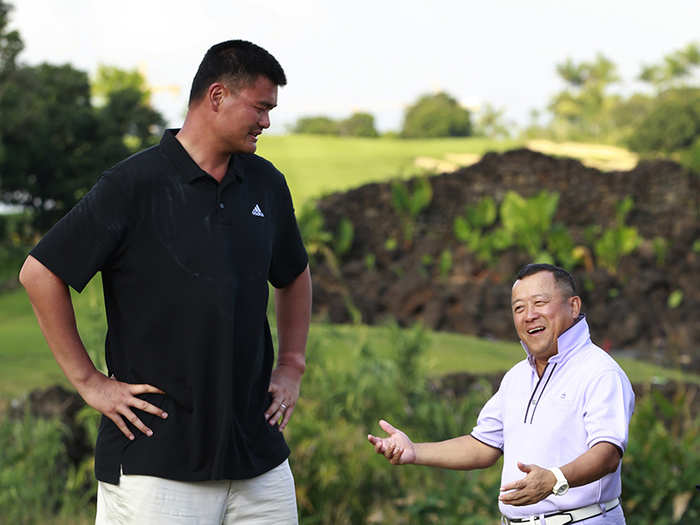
582	398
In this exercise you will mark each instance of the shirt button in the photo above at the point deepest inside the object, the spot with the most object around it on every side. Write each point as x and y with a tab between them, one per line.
221	205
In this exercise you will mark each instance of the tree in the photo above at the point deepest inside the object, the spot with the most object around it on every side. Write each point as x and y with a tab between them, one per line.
671	122
10	46
674	70
672	125
316	125
490	123
60	142
10	42
48	124
437	115
358	125
583	108
127	121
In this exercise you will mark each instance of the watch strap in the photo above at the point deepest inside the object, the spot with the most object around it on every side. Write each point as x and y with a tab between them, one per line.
561	480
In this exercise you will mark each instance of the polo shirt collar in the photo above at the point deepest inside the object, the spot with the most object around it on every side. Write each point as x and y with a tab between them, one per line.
186	167
572	338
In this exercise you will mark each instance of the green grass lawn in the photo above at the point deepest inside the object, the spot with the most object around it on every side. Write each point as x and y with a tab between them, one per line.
315	165
27	363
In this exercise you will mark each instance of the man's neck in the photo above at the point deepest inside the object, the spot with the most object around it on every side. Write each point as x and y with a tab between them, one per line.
202	148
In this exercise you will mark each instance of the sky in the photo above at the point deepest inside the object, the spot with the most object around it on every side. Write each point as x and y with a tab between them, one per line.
375	56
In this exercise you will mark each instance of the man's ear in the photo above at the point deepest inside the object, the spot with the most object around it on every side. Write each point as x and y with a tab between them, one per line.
215	95
575	304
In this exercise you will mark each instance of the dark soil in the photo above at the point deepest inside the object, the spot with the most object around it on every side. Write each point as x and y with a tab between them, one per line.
627	311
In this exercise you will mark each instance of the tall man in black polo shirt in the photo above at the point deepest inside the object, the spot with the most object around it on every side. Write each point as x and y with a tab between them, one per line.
187	235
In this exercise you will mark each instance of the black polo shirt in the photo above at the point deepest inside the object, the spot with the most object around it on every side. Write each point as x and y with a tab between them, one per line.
185	262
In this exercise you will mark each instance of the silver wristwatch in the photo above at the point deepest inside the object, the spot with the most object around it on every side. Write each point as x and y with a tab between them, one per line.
561	486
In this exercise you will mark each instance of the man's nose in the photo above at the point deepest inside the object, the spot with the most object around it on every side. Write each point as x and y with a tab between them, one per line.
264	121
531	313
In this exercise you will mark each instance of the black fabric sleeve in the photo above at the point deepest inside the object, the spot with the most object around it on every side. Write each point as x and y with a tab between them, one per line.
84	240
289	256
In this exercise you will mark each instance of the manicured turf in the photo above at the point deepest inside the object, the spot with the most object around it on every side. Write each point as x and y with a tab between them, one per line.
316	165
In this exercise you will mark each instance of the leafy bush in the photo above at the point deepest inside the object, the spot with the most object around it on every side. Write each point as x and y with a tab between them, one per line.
340	480
317	125
358	124
408	204
662	463
342	241
524	222
31	449
438	115
617	241
673	124
529	220
16	239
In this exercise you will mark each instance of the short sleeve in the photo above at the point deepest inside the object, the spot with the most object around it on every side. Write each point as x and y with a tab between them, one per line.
83	241
608	407
489	424
289	256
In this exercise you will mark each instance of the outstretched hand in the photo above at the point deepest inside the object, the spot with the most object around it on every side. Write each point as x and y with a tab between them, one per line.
534	487
397	448
115	400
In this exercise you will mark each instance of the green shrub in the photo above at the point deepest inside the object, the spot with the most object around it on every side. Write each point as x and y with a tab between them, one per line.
526	223
529	220
673	124
445	263
358	124
438	115
408	203
660	247
342	240
618	241
340	480
316	125
33	468
662	463
690	157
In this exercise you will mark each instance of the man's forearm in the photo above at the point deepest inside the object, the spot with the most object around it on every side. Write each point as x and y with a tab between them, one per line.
293	306
460	453
53	308
601	459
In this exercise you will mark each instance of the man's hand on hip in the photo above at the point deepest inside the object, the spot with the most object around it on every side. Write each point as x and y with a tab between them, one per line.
534	487
284	387
115	400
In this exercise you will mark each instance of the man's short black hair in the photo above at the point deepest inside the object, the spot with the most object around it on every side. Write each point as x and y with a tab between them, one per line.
238	63
564	279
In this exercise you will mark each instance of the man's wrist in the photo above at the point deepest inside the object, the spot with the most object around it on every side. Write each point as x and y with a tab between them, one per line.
296	363
561	485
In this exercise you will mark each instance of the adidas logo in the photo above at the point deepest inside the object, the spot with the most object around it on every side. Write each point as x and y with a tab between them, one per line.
257	211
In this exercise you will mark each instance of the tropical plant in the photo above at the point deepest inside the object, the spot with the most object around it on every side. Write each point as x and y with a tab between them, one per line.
618	241
408	203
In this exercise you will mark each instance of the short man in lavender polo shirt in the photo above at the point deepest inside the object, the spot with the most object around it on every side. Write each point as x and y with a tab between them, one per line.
560	417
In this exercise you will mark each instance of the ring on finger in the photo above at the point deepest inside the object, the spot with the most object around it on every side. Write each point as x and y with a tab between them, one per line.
284	407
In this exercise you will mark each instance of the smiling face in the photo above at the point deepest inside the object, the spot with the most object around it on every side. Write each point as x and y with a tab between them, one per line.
242	115
542	311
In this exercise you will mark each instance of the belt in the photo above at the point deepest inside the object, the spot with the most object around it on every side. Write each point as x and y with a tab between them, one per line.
566	516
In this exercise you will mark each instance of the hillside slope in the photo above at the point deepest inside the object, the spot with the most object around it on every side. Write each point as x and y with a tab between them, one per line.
648	302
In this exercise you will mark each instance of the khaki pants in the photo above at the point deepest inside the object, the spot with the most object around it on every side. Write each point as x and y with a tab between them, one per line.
146	500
